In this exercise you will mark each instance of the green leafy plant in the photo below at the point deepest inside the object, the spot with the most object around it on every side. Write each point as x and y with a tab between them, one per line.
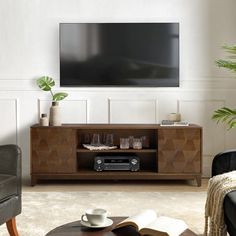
225	114
46	83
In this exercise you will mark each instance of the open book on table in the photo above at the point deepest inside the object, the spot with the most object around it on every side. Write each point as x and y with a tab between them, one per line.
148	222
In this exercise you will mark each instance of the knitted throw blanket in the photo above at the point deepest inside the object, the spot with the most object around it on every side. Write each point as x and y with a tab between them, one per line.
218	187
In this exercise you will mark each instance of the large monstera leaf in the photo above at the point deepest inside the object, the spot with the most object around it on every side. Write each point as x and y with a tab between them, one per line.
45	83
59	96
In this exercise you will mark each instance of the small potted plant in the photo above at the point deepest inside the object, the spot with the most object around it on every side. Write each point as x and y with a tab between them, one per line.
46	83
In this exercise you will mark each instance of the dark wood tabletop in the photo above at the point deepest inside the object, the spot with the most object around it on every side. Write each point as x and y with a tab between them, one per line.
76	229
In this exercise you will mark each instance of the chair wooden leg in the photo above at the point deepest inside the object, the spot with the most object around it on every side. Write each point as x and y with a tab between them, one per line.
11	227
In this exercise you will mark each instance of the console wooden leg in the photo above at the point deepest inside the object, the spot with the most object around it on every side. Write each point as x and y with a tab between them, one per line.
11	227
199	181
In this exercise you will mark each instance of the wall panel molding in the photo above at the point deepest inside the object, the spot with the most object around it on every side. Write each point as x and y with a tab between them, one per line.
133	110
206	165
201	82
9	121
72	111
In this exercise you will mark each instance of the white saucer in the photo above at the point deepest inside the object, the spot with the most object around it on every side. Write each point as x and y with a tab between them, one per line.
107	223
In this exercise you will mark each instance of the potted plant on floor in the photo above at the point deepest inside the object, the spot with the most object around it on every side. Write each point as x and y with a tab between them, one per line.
46	83
225	114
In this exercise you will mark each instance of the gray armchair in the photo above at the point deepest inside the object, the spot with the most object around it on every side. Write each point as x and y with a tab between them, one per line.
10	186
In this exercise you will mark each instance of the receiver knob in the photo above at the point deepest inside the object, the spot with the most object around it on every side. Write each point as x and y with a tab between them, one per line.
134	161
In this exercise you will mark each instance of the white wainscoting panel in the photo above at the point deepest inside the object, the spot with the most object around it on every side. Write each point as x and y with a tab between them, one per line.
207	163
8	121
133	111
200	112
72	111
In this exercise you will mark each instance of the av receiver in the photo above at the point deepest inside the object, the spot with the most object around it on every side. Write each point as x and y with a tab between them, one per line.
117	162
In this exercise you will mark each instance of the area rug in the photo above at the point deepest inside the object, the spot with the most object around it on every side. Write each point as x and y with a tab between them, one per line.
43	211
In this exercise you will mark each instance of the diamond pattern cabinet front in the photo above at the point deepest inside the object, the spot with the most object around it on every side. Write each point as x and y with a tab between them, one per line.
179	150
53	150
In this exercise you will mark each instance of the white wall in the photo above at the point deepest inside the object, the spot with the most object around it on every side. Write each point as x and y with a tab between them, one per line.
29	49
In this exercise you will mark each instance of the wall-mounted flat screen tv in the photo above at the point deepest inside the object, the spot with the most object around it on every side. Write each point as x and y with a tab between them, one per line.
119	54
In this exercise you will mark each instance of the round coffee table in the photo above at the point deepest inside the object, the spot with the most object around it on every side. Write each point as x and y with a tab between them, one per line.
76	229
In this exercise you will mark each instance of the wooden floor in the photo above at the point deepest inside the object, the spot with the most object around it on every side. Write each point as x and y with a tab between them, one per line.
119	186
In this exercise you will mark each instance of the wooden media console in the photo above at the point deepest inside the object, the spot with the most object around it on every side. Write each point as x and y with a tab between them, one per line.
173	152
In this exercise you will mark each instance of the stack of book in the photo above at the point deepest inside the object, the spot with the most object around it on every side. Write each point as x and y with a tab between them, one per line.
174	123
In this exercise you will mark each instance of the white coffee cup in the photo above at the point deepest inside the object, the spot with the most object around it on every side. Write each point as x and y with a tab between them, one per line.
95	216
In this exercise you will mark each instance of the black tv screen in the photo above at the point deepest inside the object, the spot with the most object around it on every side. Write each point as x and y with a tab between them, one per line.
119	54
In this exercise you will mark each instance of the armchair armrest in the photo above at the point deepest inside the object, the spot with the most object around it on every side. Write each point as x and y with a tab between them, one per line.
10	162
224	162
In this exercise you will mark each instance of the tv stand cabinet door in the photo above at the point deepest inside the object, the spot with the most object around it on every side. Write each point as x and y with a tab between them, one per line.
53	150
179	150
